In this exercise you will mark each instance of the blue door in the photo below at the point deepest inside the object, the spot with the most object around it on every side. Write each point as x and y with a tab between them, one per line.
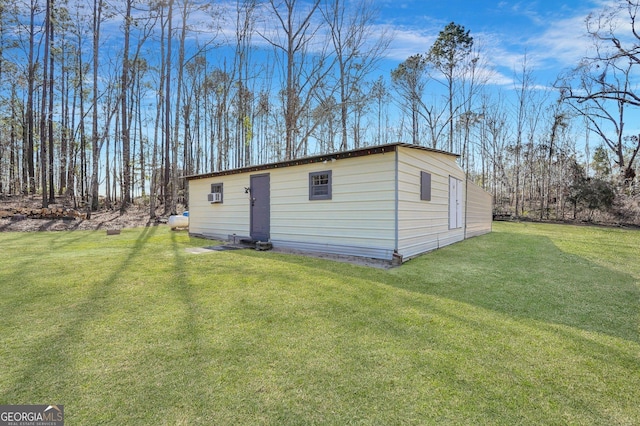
260	207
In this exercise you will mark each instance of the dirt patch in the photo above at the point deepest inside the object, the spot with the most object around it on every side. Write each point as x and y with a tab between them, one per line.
132	217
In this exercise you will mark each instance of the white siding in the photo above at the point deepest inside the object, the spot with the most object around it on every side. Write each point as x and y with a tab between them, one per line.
359	219
375	206
479	208
424	225
219	220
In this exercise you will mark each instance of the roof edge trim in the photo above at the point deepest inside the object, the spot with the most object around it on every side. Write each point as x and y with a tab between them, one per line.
370	150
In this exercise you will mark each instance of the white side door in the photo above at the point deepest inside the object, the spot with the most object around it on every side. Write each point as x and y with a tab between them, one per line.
455	203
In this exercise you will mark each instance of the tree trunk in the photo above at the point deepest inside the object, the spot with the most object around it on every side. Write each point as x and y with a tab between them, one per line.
30	92
126	141
44	116
154	187
14	188
95	147
64	126
167	113
50	135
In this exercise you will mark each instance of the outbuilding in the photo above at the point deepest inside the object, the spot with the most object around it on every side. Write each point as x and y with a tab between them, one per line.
390	202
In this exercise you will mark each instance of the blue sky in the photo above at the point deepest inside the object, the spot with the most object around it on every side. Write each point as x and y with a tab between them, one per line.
551	33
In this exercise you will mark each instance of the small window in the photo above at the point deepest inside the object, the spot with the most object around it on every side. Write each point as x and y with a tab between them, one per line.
216	188
425	186
320	185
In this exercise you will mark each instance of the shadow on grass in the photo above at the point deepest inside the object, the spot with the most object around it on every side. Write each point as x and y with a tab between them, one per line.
183	292
532	279
55	240
524	276
67	238
10	237
21	259
49	364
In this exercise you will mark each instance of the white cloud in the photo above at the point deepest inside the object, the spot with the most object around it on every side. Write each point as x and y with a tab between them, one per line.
559	45
407	42
563	43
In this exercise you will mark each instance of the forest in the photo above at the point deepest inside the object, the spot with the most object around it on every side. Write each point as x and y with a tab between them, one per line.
106	104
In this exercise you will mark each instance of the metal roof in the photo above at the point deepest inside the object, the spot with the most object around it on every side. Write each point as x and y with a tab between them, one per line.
370	150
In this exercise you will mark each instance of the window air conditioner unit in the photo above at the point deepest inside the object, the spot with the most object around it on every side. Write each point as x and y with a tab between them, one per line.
215	197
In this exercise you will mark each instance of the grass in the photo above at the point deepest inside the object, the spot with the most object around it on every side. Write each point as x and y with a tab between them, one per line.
531	324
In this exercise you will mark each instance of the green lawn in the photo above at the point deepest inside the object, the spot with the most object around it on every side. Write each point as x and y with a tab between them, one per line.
531	324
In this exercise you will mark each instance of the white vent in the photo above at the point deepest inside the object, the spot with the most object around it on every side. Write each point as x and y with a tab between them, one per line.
215	197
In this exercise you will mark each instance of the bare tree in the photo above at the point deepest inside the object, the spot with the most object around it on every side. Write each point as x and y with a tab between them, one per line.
409	79
45	116
124	111
167	108
359	46
305	64
326	115
96	142
496	122
245	23
473	79
155	188
605	116
185	12
31	65
10	144
601	86
67	53
380	95
50	76
550	151
524	82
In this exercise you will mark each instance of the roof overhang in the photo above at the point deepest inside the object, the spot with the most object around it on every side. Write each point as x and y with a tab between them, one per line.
360	152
